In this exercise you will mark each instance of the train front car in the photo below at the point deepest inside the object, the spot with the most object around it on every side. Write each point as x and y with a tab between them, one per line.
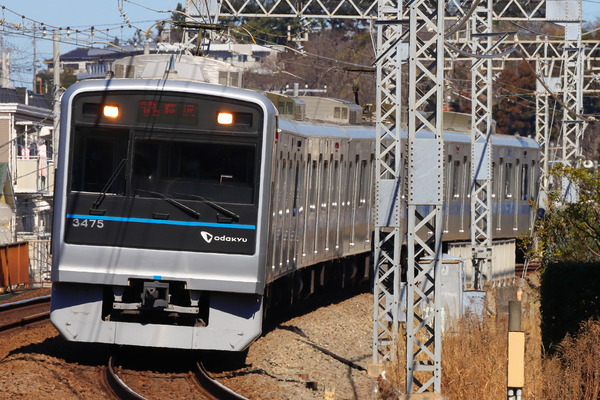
161	205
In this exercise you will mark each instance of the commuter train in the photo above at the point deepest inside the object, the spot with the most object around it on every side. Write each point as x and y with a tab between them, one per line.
185	210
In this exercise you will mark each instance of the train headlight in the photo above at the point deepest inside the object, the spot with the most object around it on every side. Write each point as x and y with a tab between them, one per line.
225	118
110	111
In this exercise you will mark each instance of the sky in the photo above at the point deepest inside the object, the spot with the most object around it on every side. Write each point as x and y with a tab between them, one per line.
78	15
102	15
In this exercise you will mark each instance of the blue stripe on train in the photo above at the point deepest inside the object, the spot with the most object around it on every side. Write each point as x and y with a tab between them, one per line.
160	221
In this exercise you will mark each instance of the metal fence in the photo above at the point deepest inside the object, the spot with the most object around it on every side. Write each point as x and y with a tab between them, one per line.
40	262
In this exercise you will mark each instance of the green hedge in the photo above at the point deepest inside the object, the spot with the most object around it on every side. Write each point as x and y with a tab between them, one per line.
570	295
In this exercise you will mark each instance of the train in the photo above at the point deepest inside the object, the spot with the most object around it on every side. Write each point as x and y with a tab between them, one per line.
185	211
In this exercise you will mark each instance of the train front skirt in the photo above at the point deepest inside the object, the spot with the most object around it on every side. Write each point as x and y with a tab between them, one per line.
235	322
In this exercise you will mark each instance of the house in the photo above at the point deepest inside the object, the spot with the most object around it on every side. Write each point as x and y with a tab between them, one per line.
94	62
190	68
26	163
248	57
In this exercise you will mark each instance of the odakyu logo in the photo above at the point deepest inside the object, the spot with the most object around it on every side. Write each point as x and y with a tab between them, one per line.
208	237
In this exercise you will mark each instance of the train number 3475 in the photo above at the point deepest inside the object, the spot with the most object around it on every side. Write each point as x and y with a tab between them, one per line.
87	223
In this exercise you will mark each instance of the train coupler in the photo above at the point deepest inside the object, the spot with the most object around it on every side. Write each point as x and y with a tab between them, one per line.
155	294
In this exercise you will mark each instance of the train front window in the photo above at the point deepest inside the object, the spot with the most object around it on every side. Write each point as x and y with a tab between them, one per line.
216	171
98	156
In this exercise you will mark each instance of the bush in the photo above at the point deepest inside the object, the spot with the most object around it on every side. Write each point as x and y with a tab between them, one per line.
569	296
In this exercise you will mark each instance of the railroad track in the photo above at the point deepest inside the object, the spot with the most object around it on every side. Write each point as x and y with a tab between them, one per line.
206	387
21	313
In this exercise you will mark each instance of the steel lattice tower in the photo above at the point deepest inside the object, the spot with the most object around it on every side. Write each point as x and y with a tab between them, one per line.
389	233
481	129
425	195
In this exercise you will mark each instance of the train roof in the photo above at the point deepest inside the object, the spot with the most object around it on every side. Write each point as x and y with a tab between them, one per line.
320	129
310	128
170	85
514	141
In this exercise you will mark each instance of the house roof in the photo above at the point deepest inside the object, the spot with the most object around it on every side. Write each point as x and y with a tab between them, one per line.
93	53
11	96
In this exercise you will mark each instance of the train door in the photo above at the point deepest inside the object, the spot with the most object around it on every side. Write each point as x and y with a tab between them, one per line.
506	219
465	201
524	195
301	200
310	218
448	174
282	217
500	196
351	203
495	191
289	234
361	221
322	223
345	216
457	176
334	208
296	212
276	222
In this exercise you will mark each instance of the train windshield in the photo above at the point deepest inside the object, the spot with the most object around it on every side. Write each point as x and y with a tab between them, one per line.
174	144
184	169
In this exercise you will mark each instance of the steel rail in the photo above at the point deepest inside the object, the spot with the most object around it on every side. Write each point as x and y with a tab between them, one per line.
8	310
117	386
214	387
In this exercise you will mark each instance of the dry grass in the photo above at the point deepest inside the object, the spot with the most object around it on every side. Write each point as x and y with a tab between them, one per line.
474	360
576	365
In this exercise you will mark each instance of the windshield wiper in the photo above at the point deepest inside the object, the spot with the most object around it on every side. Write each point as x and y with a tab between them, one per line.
171	200
109	183
214	205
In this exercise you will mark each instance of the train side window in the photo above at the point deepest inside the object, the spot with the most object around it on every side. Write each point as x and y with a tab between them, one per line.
525	182
335	190
276	176
508	181
534	186
313	185
282	187
324	185
500	178
291	189
349	183
295	200
363	184
336	112
448	176
466	175
494	179
456	172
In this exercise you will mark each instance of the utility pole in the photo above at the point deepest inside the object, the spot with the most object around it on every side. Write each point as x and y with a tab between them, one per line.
56	91
33	82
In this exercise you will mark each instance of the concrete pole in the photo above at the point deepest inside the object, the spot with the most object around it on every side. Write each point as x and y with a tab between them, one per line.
57	93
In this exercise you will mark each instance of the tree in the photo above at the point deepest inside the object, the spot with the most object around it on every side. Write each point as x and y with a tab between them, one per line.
333	59
515	110
570	232
177	19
